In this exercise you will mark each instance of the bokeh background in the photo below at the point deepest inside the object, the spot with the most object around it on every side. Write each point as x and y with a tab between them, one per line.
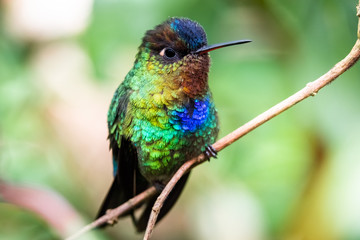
296	177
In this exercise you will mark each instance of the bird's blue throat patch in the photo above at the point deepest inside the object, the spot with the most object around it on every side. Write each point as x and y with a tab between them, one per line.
190	119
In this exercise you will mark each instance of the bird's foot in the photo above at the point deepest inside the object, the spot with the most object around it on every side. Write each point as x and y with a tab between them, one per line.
159	186
112	221
210	152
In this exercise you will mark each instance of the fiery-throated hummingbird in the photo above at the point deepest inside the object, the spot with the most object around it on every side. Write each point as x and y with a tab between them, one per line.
162	114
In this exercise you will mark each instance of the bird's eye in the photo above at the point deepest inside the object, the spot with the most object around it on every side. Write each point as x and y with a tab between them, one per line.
168	53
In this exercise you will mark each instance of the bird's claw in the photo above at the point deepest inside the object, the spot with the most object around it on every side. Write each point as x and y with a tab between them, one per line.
210	152
159	186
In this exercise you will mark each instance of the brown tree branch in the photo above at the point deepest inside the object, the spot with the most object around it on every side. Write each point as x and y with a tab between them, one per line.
310	89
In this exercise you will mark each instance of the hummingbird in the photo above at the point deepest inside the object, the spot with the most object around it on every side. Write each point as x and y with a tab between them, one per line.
161	115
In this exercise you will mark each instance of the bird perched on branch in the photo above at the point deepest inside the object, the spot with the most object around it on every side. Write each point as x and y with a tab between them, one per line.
162	114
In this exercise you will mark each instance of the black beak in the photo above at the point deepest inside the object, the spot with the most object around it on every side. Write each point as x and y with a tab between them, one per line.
209	48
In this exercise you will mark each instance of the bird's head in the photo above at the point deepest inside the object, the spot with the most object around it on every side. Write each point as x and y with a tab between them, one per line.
177	51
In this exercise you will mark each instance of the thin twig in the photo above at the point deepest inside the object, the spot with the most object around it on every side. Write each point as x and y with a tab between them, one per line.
310	89
113	214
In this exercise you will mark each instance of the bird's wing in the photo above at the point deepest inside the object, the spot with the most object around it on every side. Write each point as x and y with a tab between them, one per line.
127	182
127	179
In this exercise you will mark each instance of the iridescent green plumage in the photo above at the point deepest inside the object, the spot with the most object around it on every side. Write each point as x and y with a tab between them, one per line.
162	114
155	98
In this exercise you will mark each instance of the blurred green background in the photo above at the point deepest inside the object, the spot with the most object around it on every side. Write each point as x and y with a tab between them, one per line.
296	177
